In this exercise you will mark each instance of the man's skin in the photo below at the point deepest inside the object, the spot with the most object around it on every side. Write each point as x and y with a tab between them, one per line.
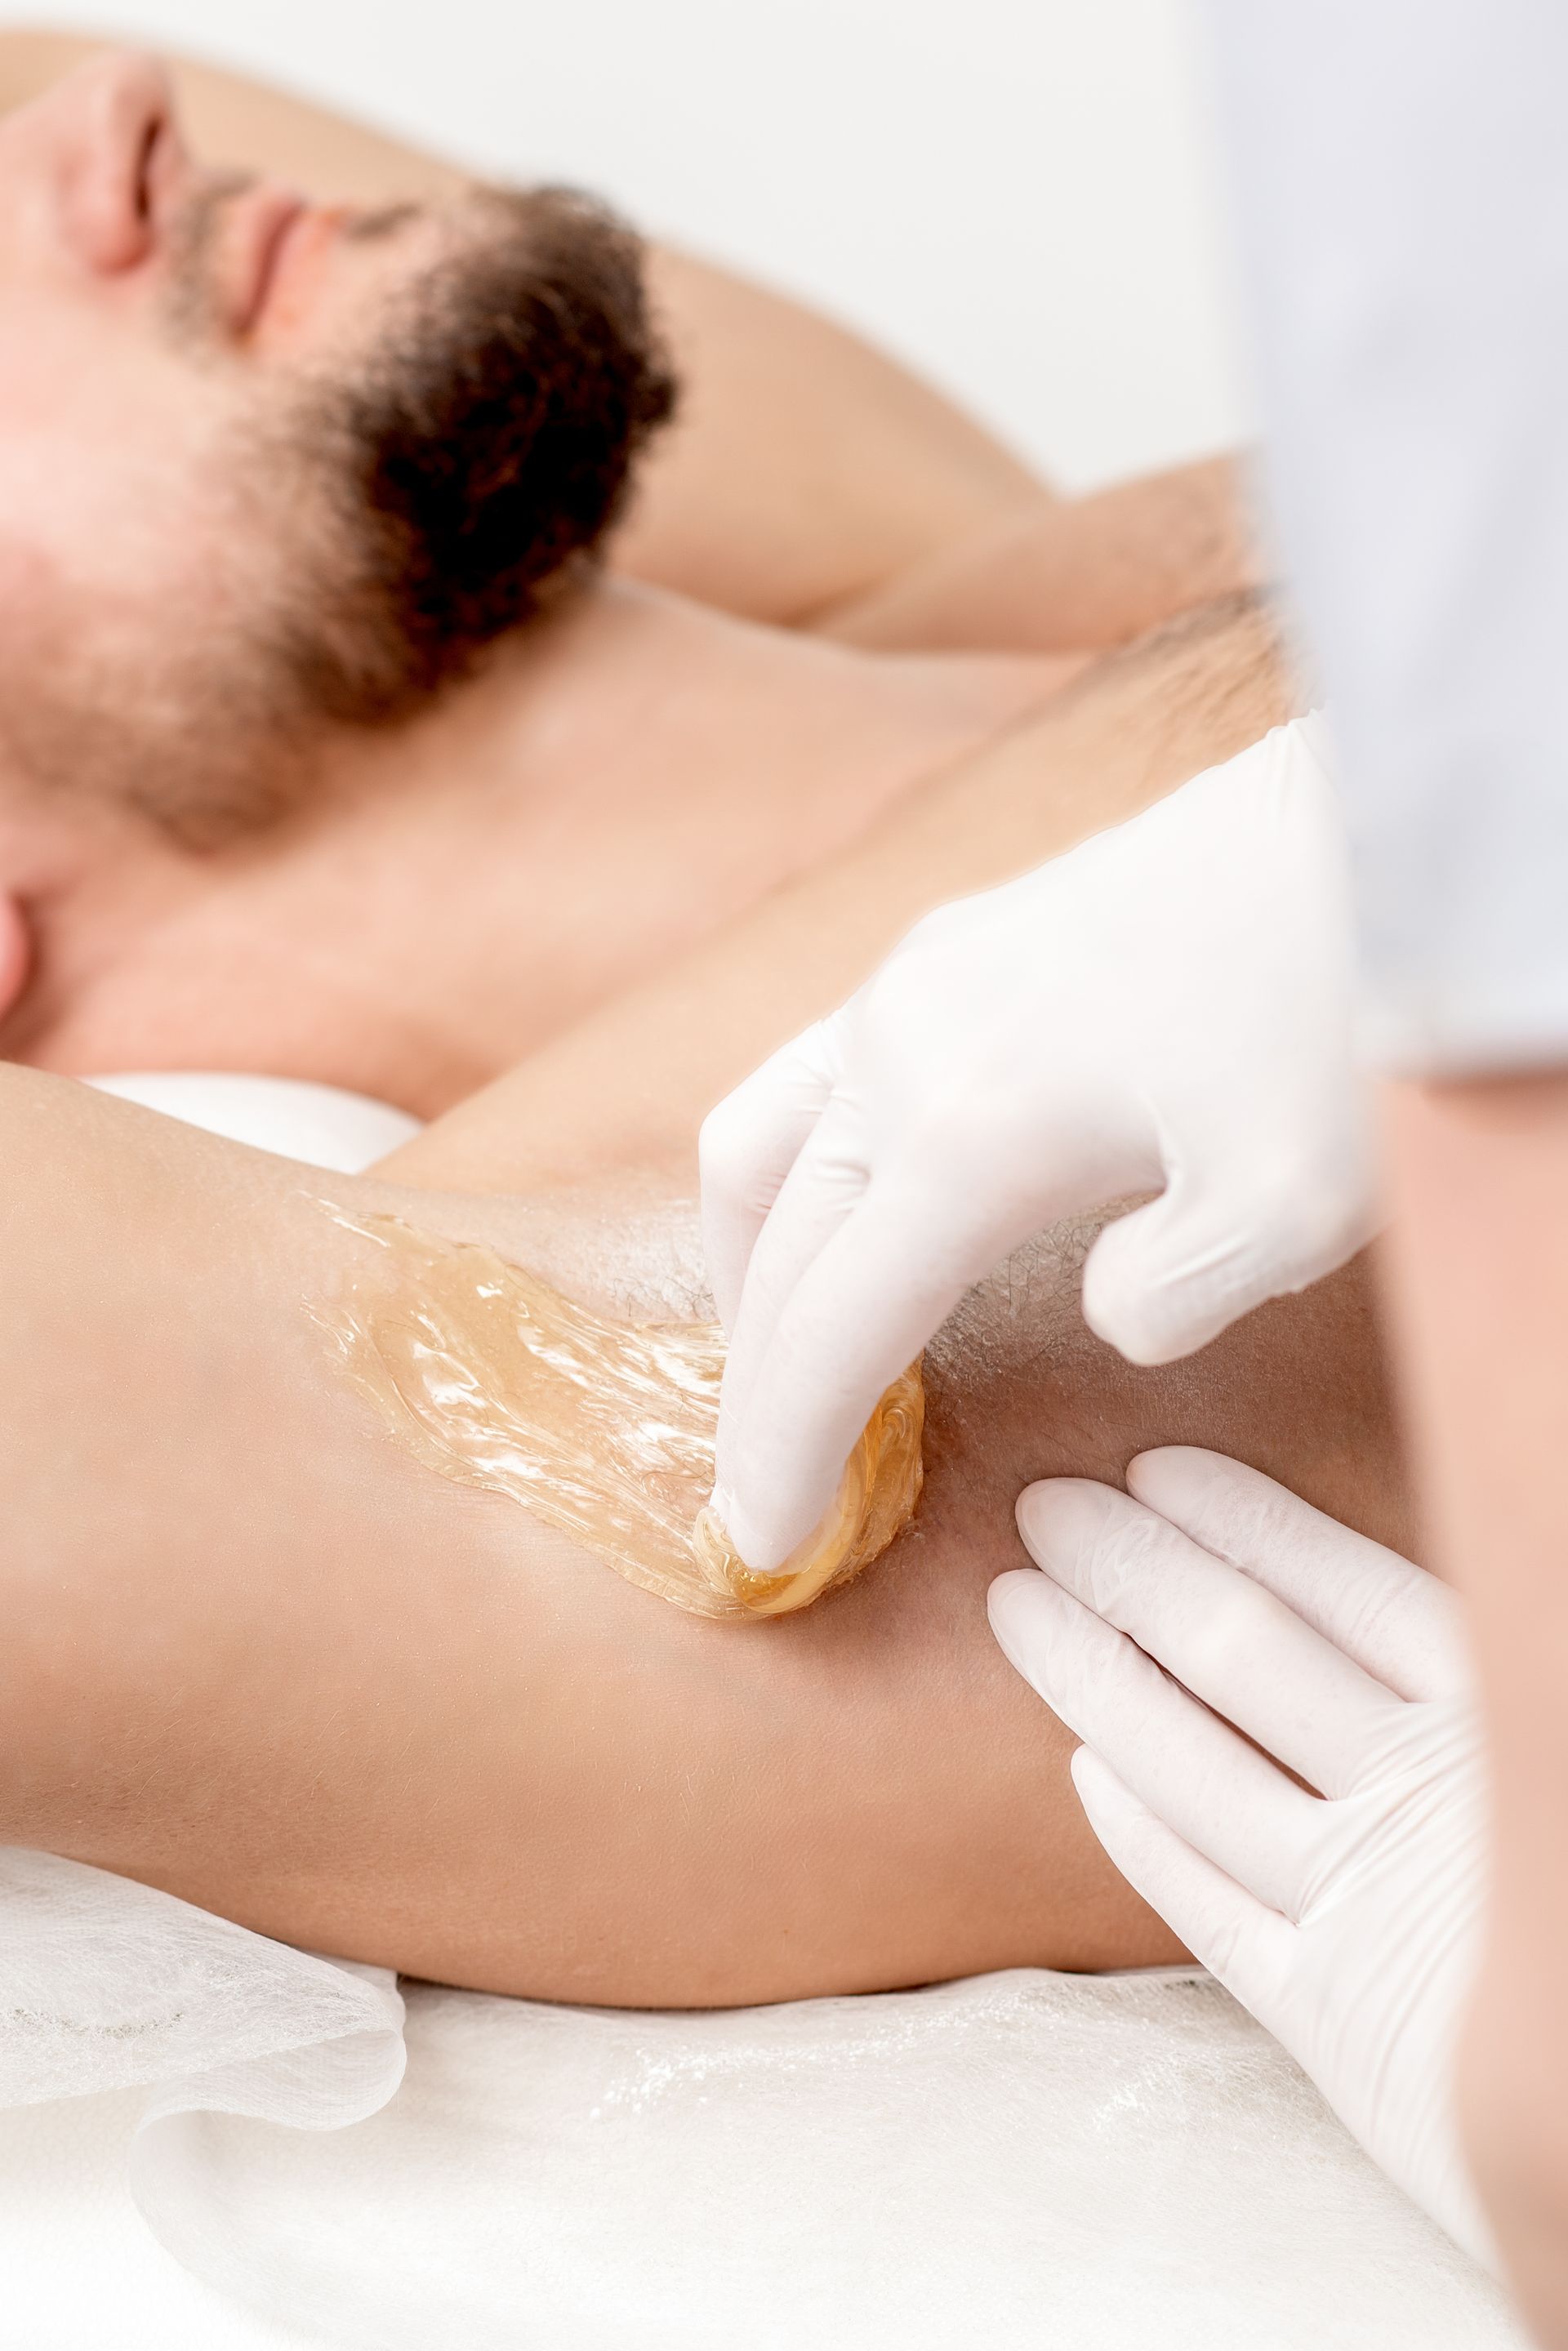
1082	574
263	1657
629	773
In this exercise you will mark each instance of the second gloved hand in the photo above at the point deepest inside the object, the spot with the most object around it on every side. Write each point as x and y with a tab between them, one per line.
1349	1920
1169	1005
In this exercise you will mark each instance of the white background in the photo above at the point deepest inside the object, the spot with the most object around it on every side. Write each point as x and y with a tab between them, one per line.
1015	195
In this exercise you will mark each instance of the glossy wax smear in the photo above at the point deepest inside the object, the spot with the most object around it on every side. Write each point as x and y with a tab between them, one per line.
605	1429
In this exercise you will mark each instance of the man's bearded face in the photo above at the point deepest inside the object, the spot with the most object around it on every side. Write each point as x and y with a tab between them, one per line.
268	468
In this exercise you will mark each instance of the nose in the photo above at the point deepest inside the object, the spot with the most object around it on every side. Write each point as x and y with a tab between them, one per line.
114	144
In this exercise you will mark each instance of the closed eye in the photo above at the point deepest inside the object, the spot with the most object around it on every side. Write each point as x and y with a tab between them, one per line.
370	228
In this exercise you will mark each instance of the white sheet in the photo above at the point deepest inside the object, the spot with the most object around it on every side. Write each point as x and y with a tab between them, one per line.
322	1124
1027	2158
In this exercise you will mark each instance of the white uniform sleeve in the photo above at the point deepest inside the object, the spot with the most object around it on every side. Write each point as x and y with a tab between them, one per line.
1400	183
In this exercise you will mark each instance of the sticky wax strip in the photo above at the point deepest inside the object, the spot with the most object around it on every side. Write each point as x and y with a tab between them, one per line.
604	1429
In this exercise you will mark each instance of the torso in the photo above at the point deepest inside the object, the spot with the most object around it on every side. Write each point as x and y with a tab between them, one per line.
639	773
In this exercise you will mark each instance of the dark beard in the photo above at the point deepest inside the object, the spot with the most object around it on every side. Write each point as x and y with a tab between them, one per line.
481	457
191	314
402	519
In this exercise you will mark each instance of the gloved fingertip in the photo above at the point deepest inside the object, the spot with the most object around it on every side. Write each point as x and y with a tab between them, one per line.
1057	1516
744	1537
1024	1610
1148	1338
1000	1594
1169	1477
1027	1511
1103	1795
1152	1290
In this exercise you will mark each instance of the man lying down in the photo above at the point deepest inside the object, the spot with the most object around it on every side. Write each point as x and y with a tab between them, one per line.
265	1656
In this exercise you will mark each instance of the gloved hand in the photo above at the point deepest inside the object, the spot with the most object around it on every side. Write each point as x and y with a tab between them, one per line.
1347	1921
1169	1003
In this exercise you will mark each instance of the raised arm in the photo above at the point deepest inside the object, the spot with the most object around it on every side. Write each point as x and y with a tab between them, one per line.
1082	574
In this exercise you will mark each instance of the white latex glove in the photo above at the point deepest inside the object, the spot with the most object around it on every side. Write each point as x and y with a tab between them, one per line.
1348	1922
1170	1003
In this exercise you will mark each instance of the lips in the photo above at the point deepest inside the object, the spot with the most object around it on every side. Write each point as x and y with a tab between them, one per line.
256	241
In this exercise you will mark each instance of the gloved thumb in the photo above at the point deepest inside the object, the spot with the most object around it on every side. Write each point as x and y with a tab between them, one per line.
1167	1277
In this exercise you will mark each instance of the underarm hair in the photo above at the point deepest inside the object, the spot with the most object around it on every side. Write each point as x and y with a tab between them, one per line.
1223	669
